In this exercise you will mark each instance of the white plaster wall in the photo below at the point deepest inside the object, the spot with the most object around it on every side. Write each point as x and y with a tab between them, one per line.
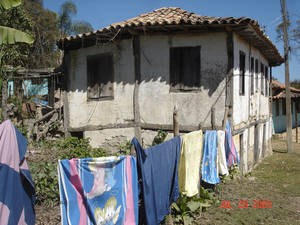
155	99
119	110
248	107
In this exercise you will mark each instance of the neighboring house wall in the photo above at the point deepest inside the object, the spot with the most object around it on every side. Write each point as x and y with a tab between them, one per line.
279	117
30	88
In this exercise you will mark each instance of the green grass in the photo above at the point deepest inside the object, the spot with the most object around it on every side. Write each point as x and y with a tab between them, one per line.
276	179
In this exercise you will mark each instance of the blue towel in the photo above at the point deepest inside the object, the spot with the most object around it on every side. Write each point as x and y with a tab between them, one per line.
210	151
159	165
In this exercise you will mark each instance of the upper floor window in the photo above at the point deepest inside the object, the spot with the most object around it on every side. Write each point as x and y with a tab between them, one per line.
242	73
185	68
256	75
262	75
266	81
100	76
252	75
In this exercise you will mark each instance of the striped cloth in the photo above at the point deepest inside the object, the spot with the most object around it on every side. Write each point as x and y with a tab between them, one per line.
230	149
99	190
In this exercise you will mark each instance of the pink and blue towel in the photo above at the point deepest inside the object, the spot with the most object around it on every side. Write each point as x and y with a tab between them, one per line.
230	149
99	190
17	191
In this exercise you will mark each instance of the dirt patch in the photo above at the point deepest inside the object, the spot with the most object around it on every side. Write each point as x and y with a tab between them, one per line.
47	215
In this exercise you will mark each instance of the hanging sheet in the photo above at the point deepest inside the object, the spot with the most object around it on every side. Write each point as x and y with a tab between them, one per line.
209	161
190	161
99	190
159	172
221	158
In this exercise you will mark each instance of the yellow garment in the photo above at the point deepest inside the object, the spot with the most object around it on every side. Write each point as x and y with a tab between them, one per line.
190	161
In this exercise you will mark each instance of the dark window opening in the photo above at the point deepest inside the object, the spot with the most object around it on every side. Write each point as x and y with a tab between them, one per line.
78	134
262	74
266	81
252	75
283	107
256	75
297	105
185	68
100	76
242	72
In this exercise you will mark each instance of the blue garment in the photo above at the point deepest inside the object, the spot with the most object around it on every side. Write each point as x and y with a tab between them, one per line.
210	151
159	172
99	190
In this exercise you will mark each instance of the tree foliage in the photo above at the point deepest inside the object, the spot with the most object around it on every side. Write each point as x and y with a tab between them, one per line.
43	52
295	84
66	25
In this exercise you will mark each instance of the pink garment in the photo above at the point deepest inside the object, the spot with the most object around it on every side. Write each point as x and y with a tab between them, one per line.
129	217
75	180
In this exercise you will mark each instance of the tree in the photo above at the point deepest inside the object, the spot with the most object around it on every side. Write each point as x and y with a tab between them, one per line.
66	25
295	84
14	35
43	52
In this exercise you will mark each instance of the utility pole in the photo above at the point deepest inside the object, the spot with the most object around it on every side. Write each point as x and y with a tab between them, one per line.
289	139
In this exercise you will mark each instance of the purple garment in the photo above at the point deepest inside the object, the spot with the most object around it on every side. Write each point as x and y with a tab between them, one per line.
16	187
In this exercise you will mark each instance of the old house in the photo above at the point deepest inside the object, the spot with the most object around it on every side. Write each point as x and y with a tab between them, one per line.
279	106
126	79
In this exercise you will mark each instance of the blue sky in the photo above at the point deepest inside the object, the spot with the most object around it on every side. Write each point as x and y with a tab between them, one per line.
267	12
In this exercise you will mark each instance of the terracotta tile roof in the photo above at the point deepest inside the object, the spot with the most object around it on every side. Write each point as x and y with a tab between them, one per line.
164	18
279	90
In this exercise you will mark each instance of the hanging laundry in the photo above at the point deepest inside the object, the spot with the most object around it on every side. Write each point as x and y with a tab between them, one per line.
159	165
221	157
230	149
17	191
189	164
209	165
99	190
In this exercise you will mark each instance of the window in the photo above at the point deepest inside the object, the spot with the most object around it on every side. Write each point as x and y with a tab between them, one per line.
252	75
266	81
277	107
262	72
242	73
256	74
185	68
283	107
297	105
100	76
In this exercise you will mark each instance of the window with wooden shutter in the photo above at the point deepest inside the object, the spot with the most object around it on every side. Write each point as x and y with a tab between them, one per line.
252	75
185	68
262	75
100	76
256	75
242	73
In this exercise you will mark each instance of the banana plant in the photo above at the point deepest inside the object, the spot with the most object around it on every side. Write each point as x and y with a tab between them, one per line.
10	35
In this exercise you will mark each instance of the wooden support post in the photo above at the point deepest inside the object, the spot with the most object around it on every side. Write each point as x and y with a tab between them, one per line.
175	123
213	118
289	140
225	117
51	91
296	119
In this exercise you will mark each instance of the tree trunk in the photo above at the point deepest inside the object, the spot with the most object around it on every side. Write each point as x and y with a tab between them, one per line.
4	97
